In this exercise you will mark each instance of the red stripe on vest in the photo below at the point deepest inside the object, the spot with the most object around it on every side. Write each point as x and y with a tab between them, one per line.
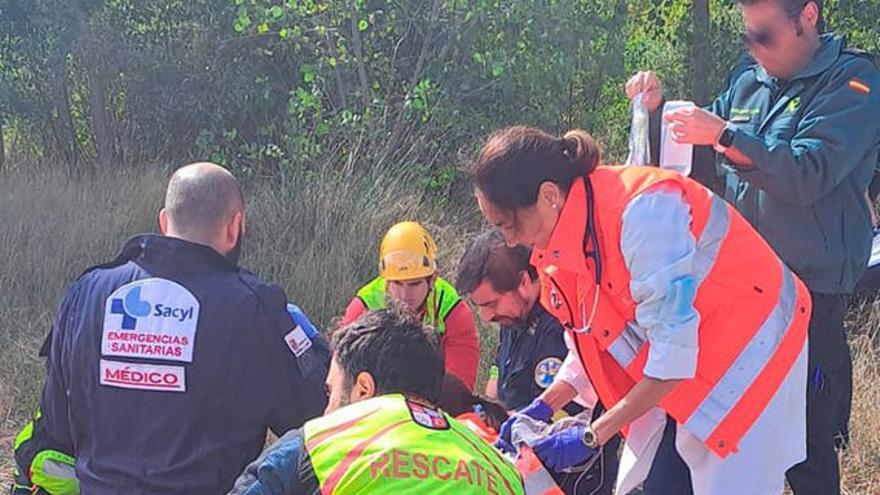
336	429
336	476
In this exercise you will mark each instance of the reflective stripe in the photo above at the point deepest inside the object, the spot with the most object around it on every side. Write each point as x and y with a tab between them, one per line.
539	482
748	365
711	239
59	469
48	472
629	343
536	479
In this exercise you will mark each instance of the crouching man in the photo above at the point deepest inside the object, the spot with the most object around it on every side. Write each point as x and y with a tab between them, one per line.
382	432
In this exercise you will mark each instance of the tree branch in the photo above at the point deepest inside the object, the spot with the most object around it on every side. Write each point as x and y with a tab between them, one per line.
340	83
414	78
357	44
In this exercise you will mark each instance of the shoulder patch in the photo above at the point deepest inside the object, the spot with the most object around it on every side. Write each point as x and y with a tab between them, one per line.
152	318
427	416
297	341
859	86
546	370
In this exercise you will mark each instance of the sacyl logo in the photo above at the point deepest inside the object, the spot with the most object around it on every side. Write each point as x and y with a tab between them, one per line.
132	307
151	318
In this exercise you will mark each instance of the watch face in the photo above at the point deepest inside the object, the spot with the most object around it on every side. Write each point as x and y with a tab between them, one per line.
589	438
726	138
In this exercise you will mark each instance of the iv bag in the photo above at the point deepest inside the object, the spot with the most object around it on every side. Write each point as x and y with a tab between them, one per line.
639	134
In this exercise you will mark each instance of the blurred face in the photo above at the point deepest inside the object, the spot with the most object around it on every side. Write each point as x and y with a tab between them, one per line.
782	44
529	226
508	308
341	393
336	389
412	293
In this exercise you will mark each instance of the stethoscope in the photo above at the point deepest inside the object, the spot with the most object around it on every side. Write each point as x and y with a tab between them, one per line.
590	236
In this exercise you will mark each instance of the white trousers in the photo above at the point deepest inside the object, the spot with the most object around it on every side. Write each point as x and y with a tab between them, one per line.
776	442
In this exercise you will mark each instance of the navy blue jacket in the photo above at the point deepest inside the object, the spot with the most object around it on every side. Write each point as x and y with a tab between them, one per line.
526	363
166	367
528	358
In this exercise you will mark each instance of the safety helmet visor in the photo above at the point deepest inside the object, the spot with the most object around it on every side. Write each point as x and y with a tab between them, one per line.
406	265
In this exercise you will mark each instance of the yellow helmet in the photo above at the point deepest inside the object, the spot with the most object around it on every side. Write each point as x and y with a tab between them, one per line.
407	252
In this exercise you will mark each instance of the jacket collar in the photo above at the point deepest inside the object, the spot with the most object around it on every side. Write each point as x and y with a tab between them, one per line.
162	253
565	250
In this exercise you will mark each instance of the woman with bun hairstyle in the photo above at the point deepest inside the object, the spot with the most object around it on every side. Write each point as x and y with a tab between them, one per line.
690	329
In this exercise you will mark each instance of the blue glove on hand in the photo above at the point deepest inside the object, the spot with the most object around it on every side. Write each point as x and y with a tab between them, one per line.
538	409
564	449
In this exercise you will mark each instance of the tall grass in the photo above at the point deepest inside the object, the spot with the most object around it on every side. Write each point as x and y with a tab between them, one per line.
51	229
860	464
315	234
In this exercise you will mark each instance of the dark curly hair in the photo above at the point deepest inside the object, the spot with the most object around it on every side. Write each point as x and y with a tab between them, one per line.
401	354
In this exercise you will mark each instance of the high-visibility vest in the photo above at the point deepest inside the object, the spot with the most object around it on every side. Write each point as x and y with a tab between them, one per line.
754	311
390	444
441	300
39	465
536	479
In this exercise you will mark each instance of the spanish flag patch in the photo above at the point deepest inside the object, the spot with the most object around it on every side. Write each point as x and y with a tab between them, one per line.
859	86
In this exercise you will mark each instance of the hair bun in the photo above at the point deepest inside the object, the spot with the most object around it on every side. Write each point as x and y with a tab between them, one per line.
582	149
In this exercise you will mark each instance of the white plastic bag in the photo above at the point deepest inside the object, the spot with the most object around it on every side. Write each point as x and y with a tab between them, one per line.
675	156
639	134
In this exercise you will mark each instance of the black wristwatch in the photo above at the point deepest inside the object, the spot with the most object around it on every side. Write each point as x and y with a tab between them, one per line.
725	140
590	439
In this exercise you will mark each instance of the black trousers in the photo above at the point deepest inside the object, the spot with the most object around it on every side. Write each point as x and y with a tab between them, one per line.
829	394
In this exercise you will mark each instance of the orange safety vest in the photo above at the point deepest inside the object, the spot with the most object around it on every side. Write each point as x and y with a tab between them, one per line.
754	311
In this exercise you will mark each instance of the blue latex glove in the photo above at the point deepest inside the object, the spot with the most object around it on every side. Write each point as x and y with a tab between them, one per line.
537	409
564	449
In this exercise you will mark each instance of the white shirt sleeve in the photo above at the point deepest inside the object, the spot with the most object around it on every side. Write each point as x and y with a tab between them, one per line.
572	372
658	249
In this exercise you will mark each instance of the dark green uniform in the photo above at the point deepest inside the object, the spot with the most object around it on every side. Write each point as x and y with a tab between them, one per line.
814	144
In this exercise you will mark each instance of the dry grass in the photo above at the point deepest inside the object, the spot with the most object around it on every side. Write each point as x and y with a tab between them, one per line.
860	464
314	234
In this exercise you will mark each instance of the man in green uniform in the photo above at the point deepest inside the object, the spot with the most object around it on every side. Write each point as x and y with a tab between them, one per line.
383	432
796	139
